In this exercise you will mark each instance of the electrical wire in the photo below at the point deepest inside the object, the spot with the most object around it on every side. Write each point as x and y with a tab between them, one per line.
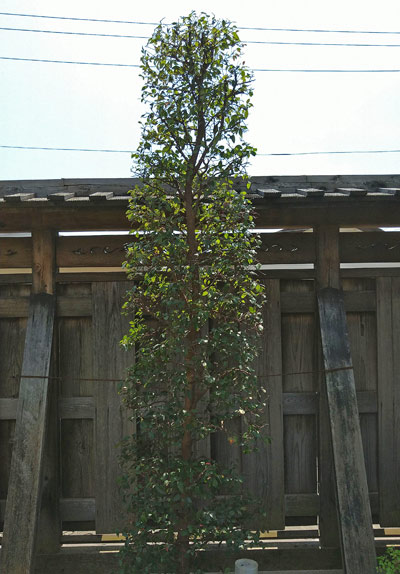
104	20
267	42
70	62
388	71
259	154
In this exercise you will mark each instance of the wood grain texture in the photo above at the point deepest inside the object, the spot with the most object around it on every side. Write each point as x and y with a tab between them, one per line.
23	500
96	251
263	470
357	537
112	422
363	346
15	252
43	281
12	336
76	365
327	275
276	248
388	320
298	356
43	259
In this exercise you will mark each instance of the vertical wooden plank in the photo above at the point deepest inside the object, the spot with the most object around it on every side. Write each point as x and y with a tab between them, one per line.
363	346
263	470
202	448
76	370
12	336
298	355
357	537
109	362
227	453
24	493
327	275
388	321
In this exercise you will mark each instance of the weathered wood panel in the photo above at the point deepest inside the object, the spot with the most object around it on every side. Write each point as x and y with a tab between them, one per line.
96	251
354	513
110	361
363	345
24	493
298	356
388	326
15	252
327	275
74	306
276	248
76	365
12	336
263	470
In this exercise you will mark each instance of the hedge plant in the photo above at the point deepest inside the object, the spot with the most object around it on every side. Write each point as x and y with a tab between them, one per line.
195	299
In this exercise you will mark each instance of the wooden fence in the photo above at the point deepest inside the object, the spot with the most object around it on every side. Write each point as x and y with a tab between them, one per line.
285	474
311	472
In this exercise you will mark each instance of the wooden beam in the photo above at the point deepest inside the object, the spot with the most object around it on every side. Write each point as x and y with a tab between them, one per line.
24	494
43	281
276	248
288	212
357	537
327	275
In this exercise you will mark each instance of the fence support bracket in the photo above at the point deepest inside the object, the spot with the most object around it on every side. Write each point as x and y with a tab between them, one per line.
354	513
24	493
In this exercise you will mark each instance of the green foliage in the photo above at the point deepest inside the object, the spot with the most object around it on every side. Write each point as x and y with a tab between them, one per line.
389	563
196	302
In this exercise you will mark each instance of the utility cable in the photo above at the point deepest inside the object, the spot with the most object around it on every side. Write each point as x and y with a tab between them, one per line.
70	62
267	42
259	154
388	71
104	20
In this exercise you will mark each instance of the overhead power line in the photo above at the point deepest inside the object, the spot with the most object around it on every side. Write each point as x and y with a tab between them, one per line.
319	71
268	42
65	149
259	154
332	152
70	62
135	22
75	33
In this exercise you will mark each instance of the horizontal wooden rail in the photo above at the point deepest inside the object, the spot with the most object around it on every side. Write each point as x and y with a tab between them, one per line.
11	307
301	403
296	302
276	248
84	509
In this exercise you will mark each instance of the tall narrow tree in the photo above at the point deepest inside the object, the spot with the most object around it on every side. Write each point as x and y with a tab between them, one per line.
195	299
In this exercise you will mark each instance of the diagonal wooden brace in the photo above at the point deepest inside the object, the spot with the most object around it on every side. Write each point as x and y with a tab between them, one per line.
354	513
24	492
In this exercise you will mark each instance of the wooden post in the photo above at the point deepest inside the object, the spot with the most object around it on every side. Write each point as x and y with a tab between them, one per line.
357	537
327	275
24	493
33	497
44	257
43	281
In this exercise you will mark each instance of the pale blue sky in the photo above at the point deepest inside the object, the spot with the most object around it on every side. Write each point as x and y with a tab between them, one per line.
54	105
